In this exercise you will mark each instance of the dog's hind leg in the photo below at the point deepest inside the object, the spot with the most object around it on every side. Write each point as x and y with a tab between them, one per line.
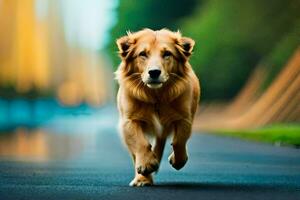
159	147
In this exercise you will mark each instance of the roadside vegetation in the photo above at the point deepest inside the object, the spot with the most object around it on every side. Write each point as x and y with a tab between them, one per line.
278	134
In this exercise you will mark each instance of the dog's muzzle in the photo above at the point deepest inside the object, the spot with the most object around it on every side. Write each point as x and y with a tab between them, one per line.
154	78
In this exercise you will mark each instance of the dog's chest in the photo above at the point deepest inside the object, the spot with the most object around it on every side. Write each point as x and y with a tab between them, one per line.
166	114
157	119
157	125
162	116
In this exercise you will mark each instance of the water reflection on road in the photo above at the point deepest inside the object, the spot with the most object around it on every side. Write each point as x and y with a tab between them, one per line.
40	145
64	137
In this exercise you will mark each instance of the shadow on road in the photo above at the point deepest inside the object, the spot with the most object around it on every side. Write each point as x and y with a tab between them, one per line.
221	186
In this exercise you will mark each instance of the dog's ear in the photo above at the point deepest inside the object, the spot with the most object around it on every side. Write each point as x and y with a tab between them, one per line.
185	46
124	45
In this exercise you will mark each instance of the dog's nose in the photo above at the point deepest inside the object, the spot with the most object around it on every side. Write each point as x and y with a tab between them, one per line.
154	73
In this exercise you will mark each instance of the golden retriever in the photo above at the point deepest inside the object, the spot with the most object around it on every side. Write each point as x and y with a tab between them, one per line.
158	95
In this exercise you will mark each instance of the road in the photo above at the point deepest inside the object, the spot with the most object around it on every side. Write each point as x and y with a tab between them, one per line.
81	157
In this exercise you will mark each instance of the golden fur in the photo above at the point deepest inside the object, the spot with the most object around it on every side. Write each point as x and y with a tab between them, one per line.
156	108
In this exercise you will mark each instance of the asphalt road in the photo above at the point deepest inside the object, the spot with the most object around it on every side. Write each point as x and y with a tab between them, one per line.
82	158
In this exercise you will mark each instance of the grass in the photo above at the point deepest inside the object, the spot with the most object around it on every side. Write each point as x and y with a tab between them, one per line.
279	134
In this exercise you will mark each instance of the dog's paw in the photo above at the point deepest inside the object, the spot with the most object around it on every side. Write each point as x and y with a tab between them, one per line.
140	181
147	164
177	162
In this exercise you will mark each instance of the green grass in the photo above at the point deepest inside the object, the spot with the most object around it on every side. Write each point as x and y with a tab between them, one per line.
280	134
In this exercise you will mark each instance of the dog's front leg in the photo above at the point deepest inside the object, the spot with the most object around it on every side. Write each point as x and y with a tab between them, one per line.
159	147
144	158
182	132
160	141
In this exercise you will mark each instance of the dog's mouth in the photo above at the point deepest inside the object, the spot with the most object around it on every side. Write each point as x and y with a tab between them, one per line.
154	84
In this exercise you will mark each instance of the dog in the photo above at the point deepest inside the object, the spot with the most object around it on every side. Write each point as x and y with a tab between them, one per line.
158	96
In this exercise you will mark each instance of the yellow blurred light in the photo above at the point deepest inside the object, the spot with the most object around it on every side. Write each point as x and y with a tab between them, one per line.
69	93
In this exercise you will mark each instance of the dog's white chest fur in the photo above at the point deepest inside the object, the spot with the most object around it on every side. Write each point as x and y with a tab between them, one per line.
158	128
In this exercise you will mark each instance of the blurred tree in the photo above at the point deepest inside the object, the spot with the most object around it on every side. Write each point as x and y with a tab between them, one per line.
7	11
24	65
234	36
155	14
37	60
281	52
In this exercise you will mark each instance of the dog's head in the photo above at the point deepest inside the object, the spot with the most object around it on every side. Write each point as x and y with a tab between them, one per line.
154	56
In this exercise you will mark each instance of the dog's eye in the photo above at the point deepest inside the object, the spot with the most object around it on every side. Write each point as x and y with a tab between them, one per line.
167	54
143	54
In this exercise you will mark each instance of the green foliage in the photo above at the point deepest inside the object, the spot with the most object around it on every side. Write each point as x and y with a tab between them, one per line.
233	36
286	134
9	92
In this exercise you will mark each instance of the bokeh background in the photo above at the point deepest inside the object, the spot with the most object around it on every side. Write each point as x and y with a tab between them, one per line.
57	59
